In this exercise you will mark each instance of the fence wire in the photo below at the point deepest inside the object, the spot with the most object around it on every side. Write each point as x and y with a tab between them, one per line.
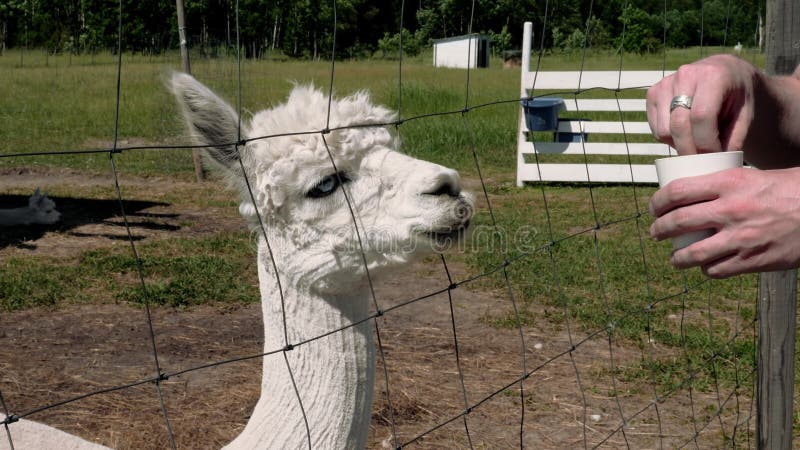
699	421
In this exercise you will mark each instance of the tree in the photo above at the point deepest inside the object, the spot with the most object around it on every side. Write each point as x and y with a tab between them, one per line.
10	13
500	41
304	28
639	31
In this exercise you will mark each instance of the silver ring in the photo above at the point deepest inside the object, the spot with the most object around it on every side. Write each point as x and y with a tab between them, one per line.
683	101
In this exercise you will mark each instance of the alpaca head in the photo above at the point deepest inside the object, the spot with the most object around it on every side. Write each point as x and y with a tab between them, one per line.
42	209
304	185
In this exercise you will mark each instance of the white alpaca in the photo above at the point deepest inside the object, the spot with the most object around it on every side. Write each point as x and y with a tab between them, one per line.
403	206
41	210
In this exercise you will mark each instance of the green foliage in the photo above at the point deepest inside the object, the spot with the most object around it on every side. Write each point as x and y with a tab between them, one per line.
304	28
501	41
682	27
568	42
390	44
11	13
639	31
598	35
412	43
426	18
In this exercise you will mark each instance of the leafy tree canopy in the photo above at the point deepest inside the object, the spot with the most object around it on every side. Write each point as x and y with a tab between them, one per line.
304	28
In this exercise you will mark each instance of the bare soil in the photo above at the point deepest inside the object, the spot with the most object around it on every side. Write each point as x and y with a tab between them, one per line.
568	398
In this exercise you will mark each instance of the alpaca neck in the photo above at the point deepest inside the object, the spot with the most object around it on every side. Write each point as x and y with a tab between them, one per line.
334	375
16	216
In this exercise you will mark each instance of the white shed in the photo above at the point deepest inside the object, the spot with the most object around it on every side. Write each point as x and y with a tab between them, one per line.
461	52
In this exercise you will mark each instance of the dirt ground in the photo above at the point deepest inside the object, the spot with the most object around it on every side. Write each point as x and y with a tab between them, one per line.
49	355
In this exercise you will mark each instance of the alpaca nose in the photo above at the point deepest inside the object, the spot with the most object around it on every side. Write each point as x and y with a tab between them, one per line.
444	183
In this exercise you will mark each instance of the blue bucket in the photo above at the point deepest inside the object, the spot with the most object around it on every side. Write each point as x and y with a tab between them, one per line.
568	136
541	114
571	136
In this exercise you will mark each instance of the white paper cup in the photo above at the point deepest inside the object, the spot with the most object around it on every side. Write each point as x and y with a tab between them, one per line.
669	169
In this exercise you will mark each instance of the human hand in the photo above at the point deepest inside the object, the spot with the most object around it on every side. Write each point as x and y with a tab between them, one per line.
756	215
722	90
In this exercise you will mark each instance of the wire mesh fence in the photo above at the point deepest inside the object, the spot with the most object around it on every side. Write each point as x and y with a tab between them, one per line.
575	335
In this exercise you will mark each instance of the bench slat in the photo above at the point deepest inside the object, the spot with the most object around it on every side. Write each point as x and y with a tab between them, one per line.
625	104
575	126
604	173
597	148
608	79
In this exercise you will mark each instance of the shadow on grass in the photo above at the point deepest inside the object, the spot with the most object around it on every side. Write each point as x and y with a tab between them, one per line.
76	212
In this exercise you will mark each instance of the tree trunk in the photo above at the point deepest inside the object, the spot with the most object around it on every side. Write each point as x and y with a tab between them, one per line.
274	32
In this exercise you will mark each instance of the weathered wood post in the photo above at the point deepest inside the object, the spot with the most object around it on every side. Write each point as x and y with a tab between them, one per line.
198	163
777	293
182	36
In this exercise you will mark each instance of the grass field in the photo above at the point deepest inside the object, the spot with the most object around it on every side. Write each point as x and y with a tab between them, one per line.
583	263
68	102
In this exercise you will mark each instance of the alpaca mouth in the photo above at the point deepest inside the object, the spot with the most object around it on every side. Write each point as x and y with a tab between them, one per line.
449	236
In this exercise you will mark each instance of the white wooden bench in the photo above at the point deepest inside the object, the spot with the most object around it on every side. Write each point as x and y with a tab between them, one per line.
532	82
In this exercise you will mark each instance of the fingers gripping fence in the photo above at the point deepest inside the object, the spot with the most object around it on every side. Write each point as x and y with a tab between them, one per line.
725	420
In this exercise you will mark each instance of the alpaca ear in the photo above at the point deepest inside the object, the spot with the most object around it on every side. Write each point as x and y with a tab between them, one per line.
34	199
211	120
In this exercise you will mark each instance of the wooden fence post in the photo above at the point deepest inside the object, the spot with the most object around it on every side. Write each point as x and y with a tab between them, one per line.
777	309
198	162
777	296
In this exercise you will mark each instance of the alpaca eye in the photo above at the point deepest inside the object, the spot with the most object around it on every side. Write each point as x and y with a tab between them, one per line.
327	185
